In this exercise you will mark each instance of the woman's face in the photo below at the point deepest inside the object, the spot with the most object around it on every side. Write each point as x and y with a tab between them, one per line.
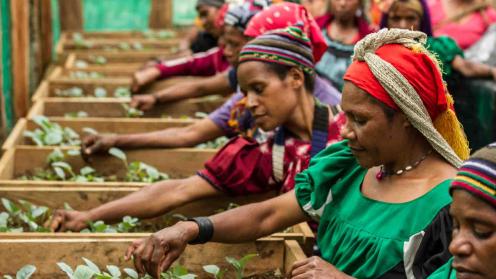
234	41
270	100
400	16
373	138
474	236
344	9
207	15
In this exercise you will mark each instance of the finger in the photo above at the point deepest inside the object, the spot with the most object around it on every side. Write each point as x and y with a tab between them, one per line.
169	258
299	264
130	250
93	148
55	223
135	102
138	263
147	255
302	276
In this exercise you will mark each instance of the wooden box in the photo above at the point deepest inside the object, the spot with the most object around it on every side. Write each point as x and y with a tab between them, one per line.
273	254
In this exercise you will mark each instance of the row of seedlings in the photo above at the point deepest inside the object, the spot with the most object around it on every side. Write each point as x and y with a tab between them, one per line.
41	170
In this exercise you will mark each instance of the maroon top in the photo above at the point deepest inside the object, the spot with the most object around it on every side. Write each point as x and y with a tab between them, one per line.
206	63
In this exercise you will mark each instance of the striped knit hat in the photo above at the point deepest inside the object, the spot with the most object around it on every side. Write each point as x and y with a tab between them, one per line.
478	174
289	46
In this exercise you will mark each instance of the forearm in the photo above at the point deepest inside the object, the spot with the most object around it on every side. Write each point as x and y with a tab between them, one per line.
189	136
256	220
472	69
154	200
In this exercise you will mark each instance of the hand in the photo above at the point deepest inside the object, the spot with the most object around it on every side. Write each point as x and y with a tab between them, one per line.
493	71
143	102
157	252
315	267
97	143
143	77
68	220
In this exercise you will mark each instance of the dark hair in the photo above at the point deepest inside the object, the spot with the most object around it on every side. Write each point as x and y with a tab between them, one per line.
283	70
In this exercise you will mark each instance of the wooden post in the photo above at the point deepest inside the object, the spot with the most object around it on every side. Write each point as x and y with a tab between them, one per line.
20	55
161	14
71	15
46	33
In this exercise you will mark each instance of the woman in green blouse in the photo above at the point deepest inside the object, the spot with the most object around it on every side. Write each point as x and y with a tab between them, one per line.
377	195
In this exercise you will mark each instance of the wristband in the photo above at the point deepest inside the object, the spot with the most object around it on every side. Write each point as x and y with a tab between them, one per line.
205	230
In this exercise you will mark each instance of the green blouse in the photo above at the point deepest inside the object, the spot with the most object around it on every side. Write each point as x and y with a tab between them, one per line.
445	49
444	272
362	237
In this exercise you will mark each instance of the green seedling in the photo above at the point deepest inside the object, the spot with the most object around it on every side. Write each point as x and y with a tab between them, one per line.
76	114
22	217
239	265
73	92
100	92
128	224
80	42
132	112
137	46
162	34
24	273
52	134
213	144
81	64
98	59
138	171
86	75
122	92
124	46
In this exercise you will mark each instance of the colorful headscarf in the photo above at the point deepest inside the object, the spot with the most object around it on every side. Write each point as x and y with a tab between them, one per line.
239	14
212	3
478	174
425	22
394	67
286	14
289	47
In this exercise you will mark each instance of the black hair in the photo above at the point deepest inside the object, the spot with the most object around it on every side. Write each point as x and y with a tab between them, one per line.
283	70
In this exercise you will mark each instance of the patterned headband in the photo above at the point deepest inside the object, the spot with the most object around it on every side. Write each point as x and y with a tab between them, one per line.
477	175
288	47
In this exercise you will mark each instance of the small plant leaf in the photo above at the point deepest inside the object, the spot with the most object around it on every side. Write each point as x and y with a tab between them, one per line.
87	170
131	273
114	271
4	217
73	152
116	152
212	269
91	265
90	131
66	268
67	206
83	272
53	138
59	172
62	165
244	260
26	272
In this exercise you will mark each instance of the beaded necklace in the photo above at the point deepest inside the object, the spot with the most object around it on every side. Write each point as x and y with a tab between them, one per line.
383	173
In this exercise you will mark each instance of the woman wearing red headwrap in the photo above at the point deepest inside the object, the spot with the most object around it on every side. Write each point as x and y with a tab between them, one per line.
380	196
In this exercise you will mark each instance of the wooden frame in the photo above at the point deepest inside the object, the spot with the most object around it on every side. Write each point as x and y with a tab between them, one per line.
274	253
112	107
129	61
104	126
20	160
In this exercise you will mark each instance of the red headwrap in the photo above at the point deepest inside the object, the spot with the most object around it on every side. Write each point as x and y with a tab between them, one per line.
416	67
279	16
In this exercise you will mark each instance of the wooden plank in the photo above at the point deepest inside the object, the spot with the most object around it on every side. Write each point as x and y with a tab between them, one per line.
112	108
160	14
71	15
85	196
20	55
103	126
293	254
179	32
185	162
122	57
45	253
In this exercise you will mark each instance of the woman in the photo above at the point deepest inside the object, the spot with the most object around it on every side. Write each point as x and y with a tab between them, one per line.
218	122
463	20
342	28
414	15
285	101
403	145
474	219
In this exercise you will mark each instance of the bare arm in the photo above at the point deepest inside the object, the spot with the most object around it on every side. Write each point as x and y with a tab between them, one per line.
189	136
473	69
218	84
151	201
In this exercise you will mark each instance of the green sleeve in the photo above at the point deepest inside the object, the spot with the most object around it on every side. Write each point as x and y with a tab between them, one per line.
313	186
444	272
445	49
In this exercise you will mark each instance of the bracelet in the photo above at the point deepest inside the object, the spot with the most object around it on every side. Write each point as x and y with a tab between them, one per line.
206	230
